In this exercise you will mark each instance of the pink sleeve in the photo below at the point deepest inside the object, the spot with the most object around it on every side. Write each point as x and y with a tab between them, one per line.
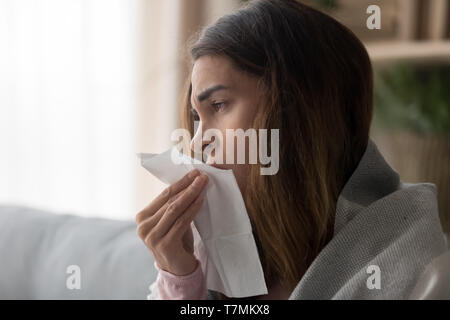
188	287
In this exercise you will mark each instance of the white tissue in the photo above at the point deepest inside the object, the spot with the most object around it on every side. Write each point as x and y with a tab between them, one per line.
223	238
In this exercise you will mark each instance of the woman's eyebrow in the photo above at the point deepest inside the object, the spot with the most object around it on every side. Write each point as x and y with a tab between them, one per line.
206	93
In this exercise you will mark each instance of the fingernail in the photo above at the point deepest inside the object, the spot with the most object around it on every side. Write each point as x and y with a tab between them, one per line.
193	173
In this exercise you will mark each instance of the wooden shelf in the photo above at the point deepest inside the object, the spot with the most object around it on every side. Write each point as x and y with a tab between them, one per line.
409	51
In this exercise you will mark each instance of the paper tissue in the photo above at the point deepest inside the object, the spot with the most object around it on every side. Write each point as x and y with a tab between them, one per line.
223	238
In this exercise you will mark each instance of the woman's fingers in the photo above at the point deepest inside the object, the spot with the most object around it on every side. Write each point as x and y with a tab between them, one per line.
182	224
149	223
164	222
178	207
170	191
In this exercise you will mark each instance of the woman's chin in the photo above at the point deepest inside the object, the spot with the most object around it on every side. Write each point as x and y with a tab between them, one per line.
239	173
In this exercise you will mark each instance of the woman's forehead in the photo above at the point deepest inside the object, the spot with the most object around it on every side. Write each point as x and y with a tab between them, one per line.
211	70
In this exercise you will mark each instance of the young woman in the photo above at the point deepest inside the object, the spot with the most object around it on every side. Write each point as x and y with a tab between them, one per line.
335	214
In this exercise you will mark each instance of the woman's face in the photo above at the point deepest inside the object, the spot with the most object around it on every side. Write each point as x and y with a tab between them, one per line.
223	98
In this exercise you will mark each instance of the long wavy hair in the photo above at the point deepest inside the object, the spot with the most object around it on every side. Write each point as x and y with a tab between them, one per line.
319	94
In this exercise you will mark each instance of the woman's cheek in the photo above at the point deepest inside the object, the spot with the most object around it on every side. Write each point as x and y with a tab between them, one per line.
241	174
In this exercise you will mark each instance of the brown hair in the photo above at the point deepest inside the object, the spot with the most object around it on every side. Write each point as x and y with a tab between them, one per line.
319	92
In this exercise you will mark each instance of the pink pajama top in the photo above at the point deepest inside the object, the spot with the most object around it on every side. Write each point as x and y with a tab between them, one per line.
171	287
193	287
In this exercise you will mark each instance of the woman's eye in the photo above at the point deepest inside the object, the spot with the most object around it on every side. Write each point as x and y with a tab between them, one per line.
217	106
195	114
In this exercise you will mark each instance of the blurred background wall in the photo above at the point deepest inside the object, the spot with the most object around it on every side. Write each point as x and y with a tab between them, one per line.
86	84
68	104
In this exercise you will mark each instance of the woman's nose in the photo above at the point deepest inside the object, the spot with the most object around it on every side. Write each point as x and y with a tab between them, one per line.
198	142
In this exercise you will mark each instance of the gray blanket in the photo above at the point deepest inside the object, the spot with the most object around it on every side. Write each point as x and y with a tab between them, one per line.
385	233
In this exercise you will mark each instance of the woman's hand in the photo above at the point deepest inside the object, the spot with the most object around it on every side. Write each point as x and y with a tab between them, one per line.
164	225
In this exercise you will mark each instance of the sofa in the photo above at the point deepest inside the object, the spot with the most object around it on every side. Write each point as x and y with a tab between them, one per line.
38	250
